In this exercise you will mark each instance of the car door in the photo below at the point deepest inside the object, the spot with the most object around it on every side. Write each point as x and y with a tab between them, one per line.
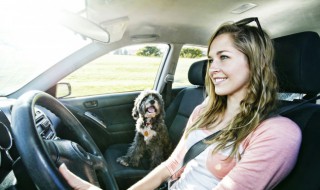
103	91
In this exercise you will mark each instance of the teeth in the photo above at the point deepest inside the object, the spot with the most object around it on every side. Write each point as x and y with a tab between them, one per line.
219	79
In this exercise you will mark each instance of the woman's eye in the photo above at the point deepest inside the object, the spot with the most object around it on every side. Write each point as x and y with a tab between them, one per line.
223	57
210	61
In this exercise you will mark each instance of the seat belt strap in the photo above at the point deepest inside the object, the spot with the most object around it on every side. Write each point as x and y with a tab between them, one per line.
168	93
198	147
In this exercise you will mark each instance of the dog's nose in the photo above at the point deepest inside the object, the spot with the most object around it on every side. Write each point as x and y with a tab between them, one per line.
151	101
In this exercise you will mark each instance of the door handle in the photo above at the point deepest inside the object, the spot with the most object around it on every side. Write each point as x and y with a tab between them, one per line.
91	104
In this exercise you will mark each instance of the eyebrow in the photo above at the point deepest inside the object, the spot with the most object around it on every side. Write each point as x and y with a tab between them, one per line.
221	51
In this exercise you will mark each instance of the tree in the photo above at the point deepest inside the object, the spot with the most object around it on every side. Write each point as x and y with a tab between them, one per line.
191	53
149	51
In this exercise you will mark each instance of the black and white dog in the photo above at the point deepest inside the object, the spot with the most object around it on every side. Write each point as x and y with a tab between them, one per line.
151	136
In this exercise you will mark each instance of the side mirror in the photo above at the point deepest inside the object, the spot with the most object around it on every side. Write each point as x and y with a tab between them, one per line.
63	90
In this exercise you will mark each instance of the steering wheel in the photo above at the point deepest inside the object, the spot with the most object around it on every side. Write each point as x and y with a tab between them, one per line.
42	157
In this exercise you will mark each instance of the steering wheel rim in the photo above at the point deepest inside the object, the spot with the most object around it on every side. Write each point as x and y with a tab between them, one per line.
34	151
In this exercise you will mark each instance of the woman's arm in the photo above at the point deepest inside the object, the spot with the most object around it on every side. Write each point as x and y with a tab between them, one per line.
269	156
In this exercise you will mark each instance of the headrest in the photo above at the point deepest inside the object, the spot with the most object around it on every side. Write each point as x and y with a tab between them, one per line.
197	72
297	62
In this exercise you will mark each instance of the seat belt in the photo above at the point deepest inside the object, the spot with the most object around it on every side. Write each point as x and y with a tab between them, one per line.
168	92
197	148
193	152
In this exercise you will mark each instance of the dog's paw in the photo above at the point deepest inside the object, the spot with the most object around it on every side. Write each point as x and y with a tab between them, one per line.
123	161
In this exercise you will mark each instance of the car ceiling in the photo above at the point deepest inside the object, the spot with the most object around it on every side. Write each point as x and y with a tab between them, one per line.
189	21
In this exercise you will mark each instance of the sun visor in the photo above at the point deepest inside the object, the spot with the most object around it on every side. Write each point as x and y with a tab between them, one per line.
115	28
106	32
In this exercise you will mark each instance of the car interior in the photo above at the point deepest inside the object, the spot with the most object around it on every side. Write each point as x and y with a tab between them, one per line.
39	130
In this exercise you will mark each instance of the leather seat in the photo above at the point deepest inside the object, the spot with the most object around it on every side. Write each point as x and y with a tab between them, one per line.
177	115
297	60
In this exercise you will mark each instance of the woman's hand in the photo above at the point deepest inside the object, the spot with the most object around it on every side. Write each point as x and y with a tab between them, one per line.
74	181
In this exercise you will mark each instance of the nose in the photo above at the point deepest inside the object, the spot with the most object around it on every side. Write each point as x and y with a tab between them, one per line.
214	68
151	101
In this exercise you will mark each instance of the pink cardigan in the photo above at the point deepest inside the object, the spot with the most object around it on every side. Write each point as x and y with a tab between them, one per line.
268	154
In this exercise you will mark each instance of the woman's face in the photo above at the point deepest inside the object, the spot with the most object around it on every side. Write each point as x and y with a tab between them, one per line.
229	69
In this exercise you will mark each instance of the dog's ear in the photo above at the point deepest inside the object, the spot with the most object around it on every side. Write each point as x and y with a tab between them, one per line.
135	113
135	110
161	102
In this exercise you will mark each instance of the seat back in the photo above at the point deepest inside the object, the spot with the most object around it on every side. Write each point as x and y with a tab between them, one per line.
180	109
297	61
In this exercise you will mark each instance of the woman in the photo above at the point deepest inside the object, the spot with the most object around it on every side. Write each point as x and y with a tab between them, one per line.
255	149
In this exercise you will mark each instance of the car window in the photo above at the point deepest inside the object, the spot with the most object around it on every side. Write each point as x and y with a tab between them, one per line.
188	55
131	68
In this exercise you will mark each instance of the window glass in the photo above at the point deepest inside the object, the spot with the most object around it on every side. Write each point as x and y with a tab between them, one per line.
130	68
188	55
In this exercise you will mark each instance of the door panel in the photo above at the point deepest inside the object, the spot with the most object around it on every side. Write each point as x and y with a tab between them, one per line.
108	118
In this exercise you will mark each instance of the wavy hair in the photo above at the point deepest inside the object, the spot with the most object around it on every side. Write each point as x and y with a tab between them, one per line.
260	99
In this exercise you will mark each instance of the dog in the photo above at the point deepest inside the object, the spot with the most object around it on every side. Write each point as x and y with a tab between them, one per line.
152	137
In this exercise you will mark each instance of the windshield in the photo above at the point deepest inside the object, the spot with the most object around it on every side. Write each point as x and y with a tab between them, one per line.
31	41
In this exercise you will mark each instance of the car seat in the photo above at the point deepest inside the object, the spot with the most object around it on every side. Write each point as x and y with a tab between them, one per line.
297	61
180	109
177	115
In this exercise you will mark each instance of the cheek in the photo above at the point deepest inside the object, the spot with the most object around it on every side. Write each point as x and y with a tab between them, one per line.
211	73
242	71
157	105
244	74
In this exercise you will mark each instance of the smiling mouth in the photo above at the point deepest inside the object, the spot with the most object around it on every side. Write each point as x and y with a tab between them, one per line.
219	80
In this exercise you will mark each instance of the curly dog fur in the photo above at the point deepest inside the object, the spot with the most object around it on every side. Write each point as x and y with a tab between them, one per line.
151	132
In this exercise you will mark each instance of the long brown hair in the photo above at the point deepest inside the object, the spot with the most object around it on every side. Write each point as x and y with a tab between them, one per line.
261	96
